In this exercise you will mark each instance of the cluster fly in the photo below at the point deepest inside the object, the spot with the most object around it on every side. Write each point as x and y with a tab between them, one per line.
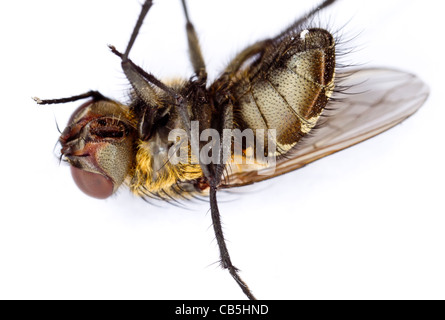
280	104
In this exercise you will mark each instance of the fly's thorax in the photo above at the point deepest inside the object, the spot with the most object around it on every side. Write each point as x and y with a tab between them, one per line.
155	174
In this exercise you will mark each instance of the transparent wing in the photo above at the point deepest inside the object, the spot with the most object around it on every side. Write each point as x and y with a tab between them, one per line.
370	102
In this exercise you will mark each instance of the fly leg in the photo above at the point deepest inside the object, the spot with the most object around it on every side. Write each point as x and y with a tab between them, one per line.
143	82
194	49
216	174
263	46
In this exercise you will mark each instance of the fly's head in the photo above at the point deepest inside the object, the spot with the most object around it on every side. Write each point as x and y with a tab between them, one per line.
98	143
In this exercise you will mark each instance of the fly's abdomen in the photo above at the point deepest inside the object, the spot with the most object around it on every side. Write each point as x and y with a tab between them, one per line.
289	90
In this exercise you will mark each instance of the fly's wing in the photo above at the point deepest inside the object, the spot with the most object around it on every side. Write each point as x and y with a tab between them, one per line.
370	102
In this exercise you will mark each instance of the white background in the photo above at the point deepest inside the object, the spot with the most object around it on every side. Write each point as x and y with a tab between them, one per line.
366	223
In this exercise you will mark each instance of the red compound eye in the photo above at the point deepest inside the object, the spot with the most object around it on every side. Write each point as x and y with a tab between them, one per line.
93	184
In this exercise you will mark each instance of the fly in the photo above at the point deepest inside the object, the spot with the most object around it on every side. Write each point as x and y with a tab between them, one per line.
280	104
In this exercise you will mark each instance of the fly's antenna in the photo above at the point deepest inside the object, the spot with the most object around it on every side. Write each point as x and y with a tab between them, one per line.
97	96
